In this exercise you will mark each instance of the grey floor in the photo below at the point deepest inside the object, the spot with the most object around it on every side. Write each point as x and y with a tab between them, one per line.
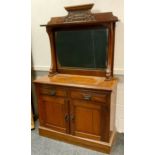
45	146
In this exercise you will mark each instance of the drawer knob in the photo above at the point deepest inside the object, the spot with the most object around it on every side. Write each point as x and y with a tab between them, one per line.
87	97
53	93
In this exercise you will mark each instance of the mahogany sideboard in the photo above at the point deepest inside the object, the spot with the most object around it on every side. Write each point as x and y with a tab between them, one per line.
77	102
77	109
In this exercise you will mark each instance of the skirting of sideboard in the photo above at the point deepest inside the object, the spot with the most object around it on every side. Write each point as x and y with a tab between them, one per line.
84	142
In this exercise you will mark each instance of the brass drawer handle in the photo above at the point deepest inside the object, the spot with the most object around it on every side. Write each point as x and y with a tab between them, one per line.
53	93
87	97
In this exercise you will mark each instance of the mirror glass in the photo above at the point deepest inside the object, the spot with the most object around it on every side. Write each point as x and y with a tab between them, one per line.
84	48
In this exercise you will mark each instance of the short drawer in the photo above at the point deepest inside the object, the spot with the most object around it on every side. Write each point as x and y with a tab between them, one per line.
88	95
53	91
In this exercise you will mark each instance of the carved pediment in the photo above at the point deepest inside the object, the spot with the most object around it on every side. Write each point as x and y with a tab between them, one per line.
81	13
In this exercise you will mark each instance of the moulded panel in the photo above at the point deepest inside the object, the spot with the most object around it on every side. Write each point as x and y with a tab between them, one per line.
54	110
87	121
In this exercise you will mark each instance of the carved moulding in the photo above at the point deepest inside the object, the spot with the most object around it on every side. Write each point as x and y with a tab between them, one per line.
81	13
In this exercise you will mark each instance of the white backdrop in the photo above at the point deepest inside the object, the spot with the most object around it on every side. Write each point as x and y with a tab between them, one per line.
43	10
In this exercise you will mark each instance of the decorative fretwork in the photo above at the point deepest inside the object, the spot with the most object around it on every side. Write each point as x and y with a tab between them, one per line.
79	14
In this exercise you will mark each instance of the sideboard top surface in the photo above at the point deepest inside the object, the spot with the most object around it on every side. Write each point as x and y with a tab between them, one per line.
90	82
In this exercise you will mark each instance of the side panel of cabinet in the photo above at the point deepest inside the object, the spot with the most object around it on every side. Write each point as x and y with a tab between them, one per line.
89	120
53	113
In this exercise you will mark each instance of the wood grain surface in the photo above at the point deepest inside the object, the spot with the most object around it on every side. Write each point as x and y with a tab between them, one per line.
91	82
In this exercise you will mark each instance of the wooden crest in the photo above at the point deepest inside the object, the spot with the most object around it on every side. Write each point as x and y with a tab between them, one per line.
80	13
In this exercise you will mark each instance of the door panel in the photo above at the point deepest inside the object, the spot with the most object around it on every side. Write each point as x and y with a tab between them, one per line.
87	119
54	113
87	123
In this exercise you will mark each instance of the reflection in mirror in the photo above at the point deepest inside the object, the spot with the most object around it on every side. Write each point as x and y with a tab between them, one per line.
84	48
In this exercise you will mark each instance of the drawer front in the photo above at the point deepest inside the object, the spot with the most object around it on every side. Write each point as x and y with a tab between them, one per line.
53	91
88	95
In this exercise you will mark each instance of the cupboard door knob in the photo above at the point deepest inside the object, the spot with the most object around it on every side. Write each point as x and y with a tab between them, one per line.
66	118
53	93
72	117
87	97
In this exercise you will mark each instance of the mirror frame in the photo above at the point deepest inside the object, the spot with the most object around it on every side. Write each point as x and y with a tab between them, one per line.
102	19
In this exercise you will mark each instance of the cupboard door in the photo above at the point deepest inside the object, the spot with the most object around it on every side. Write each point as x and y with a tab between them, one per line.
53	113
88	120
85	119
